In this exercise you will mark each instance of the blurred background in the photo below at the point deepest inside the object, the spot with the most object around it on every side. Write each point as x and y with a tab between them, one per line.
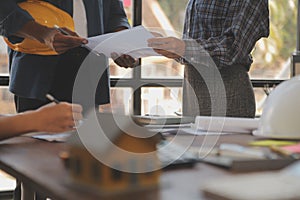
272	61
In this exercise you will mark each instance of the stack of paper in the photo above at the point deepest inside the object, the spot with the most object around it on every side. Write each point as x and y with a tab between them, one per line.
226	124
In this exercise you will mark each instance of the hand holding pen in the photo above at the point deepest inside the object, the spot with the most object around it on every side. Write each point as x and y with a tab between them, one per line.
71	112
70	33
52	99
63	39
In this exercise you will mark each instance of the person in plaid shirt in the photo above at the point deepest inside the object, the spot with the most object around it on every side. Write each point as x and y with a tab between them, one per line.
217	40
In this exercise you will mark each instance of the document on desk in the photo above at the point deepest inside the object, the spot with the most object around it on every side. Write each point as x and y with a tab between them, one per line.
207	125
132	42
59	137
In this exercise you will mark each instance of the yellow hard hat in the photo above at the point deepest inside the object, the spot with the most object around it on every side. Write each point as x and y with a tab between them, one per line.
45	14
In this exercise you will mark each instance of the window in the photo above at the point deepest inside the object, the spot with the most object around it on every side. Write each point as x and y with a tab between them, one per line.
161	100
121	101
6	98
7	105
272	56
271	59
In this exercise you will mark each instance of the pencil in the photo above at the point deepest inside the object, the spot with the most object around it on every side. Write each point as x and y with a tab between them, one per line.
51	98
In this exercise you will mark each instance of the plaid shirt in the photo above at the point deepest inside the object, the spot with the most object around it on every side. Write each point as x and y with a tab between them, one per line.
226	29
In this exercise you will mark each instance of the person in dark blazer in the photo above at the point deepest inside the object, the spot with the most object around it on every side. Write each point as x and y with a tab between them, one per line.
33	76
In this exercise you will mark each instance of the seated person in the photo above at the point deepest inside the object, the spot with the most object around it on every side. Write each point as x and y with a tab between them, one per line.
52	118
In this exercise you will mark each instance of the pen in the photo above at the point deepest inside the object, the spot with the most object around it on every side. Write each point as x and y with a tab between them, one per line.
66	33
61	30
51	98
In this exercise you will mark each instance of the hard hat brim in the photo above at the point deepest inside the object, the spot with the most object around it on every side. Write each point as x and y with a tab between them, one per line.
45	14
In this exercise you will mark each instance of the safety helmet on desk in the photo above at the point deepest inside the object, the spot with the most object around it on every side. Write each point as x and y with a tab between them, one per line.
281	113
45	14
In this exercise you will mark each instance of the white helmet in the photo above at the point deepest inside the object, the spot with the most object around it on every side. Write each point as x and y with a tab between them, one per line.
281	113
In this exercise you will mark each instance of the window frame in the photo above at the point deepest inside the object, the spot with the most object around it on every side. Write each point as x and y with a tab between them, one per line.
145	82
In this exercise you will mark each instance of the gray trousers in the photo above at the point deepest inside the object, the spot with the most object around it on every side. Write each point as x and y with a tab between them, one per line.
208	91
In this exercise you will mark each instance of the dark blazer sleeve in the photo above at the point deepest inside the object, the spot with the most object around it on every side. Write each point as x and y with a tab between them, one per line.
117	17
12	17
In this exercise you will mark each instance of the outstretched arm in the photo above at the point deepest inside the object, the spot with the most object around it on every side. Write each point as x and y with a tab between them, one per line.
53	38
52	118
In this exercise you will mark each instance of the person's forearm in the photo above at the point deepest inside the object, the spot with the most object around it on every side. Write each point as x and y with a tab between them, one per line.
15	125
34	30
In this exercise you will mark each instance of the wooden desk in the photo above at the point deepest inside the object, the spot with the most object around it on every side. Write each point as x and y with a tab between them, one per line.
37	164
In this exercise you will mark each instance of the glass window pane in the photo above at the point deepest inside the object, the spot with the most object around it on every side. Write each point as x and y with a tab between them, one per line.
7	105
260	98
164	14
119	72
167	101
160	67
167	18
121	102
3	57
272	55
161	101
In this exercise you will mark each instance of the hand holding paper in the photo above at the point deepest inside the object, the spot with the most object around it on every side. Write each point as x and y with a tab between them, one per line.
124	60
132	42
169	47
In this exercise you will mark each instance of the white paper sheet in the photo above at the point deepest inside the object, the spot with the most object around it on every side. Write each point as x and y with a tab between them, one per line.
132	42
194	131
60	137
226	124
218	126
